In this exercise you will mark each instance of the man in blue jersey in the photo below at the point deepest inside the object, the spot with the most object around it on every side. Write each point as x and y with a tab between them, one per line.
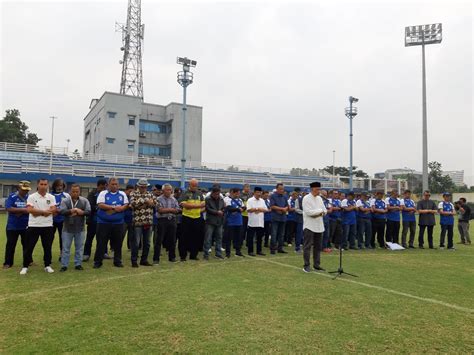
17	221
290	225
234	207
408	219
327	204
349	222
364	222
393	217
379	212
128	227
446	218
279	208
267	218
335	219
92	218
110	219
298	220
57	190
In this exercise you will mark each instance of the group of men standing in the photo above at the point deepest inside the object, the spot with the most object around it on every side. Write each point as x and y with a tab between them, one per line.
359	221
314	219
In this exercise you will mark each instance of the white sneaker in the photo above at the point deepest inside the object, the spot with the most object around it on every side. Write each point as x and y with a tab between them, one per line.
49	269
24	271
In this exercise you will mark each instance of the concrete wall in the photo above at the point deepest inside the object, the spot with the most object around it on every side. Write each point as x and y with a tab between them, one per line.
193	132
101	127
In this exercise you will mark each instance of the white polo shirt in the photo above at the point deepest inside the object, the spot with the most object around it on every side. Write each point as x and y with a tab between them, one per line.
256	219
44	203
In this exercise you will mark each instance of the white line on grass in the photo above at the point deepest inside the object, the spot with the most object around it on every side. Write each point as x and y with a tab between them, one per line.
112	278
380	288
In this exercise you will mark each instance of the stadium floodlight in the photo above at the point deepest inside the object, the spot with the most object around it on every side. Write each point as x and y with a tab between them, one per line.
51	149
422	35
185	78
351	112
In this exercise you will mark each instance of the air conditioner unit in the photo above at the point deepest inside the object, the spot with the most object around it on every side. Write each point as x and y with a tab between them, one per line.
143	134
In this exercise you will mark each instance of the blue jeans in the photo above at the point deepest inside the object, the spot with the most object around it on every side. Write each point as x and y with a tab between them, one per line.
67	239
326	234
278	234
216	232
364	227
140	234
349	234
298	235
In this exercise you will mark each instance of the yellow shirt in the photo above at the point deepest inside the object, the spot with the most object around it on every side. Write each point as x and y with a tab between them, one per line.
194	198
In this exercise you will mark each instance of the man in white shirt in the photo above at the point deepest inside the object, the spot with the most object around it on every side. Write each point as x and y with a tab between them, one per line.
313	227
41	206
256	208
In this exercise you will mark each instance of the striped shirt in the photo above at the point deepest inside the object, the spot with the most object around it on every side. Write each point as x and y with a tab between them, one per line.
167	202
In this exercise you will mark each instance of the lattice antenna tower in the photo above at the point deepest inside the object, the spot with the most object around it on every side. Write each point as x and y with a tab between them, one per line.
132	39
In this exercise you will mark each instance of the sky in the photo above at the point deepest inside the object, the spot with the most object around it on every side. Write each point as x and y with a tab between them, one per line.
273	77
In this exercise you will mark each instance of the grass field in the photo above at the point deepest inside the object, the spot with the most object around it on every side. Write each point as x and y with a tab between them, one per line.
412	301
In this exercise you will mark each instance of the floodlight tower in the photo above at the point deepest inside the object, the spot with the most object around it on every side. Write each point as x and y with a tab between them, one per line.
422	35
132	37
351	112
185	78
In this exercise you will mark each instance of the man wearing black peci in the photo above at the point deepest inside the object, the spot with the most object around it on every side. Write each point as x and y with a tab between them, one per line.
427	210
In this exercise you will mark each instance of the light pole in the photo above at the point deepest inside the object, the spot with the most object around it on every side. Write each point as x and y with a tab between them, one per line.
52	141
67	146
333	168
351	112
185	78
420	36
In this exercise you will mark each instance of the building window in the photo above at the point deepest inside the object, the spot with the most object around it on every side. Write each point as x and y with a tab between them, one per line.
111	114
131	146
155	127
153	150
131	120
110	140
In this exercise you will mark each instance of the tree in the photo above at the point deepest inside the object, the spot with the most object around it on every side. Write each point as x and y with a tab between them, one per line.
13	130
343	171
437	182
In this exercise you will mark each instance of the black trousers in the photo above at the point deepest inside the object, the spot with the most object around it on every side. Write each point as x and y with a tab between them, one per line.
251	233
290	231
32	236
243	231
446	229
232	235
421	235
335	231
167	232
408	225
106	232
267	227
129	230
393	230
312	240
12	239
58	226
91	231
190	238
379	231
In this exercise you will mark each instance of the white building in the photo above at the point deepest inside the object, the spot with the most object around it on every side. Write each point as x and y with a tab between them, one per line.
125	125
457	176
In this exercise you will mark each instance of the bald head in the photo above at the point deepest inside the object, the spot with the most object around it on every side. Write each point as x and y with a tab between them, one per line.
193	184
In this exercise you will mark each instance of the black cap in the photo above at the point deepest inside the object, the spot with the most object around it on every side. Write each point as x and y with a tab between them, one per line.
315	184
